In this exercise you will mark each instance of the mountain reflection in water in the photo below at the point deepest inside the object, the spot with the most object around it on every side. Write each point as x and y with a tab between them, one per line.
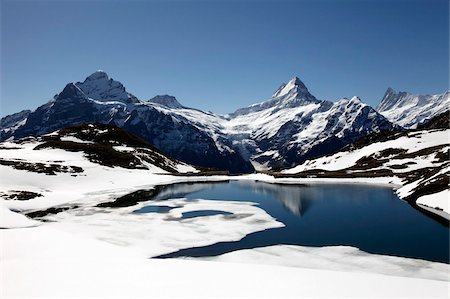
371	218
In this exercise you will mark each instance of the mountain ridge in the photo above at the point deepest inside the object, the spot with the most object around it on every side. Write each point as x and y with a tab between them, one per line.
410	110
291	126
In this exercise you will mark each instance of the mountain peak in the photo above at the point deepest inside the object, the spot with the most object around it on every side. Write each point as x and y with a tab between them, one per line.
294	85
288	95
166	100
356	99
390	90
98	75
99	86
389	100
296	82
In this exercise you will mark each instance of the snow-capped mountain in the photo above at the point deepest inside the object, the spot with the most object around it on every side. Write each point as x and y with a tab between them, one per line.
293	126
103	100
283	131
409	110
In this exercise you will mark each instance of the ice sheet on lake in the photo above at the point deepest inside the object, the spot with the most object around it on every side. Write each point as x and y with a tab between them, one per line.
159	233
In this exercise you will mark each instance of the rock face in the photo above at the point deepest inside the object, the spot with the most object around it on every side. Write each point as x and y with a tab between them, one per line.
166	101
285	130
410	110
10	123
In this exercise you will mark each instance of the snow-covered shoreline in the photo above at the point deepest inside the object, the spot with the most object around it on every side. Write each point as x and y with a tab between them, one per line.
392	182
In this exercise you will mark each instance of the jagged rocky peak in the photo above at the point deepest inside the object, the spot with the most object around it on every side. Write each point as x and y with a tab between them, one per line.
293	94
99	86
390	90
390	98
397	99
288	95
409	110
70	91
14	119
295	85
166	101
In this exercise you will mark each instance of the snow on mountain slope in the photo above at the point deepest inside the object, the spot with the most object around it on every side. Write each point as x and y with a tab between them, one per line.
208	122
292	118
409	110
100	87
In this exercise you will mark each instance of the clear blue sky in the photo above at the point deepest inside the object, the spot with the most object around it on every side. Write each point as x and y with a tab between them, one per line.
221	55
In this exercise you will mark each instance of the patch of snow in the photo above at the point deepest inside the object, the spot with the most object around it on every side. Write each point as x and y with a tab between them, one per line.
123	148
440	200
10	219
55	133
185	168
75	139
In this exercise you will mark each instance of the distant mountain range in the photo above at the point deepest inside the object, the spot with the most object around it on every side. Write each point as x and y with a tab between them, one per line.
287	129
411	110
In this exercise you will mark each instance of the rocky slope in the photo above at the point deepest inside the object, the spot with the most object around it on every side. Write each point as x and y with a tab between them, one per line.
10	123
101	144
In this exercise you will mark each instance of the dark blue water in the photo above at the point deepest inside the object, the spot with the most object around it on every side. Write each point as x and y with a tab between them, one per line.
370	218
202	213
154	209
